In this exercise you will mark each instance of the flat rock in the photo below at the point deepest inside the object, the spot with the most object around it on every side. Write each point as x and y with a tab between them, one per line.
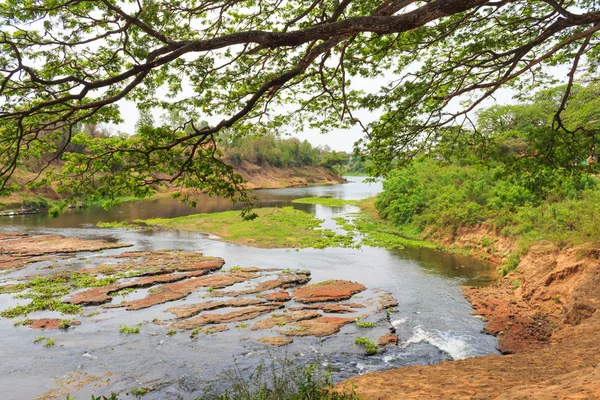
215	329
283	319
323	326
276	341
334	290
389	339
50	323
284	280
234	316
281	296
187	311
158	262
50	244
101	294
179	290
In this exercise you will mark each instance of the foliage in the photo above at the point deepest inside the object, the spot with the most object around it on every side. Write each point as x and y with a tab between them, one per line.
364	324
277	227
370	347
265	67
273	150
129	330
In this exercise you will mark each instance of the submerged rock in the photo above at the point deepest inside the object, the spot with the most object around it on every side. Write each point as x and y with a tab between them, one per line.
334	290
276	341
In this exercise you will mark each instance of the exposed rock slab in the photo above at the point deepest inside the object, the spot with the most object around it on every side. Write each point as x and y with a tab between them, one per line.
276	341
284	280
188	311
102	294
179	290
50	323
334	290
323	326
159	262
281	296
283	319
234	316
51	244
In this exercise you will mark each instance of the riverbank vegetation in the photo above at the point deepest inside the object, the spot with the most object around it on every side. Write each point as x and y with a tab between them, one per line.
534	184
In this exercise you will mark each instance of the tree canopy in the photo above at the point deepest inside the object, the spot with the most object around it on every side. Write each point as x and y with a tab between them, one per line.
262	66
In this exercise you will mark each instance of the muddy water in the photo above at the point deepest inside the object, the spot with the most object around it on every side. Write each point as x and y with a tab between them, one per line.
433	320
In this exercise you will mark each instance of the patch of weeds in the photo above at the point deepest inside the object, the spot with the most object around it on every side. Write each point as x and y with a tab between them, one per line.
243	325
511	264
49	343
364	324
282	323
370	347
64	325
210	289
391	310
129	330
556	299
171	332
139	392
22	322
515	284
39	339
281	379
124	292
235	268
195	333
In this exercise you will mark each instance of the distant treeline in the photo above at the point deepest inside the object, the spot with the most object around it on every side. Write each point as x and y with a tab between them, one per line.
287	152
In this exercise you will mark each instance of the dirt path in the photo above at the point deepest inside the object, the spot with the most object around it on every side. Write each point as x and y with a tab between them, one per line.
545	314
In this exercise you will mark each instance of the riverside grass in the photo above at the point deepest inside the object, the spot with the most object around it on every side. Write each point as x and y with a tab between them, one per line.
326	201
274	228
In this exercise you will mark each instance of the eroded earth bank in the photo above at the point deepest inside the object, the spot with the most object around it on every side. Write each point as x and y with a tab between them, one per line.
546	319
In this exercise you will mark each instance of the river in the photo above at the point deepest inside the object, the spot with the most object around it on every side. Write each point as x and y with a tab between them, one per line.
433	320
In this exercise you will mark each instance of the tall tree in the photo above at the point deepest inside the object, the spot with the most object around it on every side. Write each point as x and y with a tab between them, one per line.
144	120
64	62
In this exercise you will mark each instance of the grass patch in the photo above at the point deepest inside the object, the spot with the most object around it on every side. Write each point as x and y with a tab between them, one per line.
45	293
326	201
118	224
364	324
275	228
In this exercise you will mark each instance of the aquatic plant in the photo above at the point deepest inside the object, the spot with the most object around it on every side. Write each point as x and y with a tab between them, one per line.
127	330
370	347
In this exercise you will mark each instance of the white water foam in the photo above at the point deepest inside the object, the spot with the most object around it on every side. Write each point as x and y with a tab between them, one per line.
455	346
396	323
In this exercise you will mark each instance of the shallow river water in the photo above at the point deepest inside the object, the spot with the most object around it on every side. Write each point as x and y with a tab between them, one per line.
433	319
